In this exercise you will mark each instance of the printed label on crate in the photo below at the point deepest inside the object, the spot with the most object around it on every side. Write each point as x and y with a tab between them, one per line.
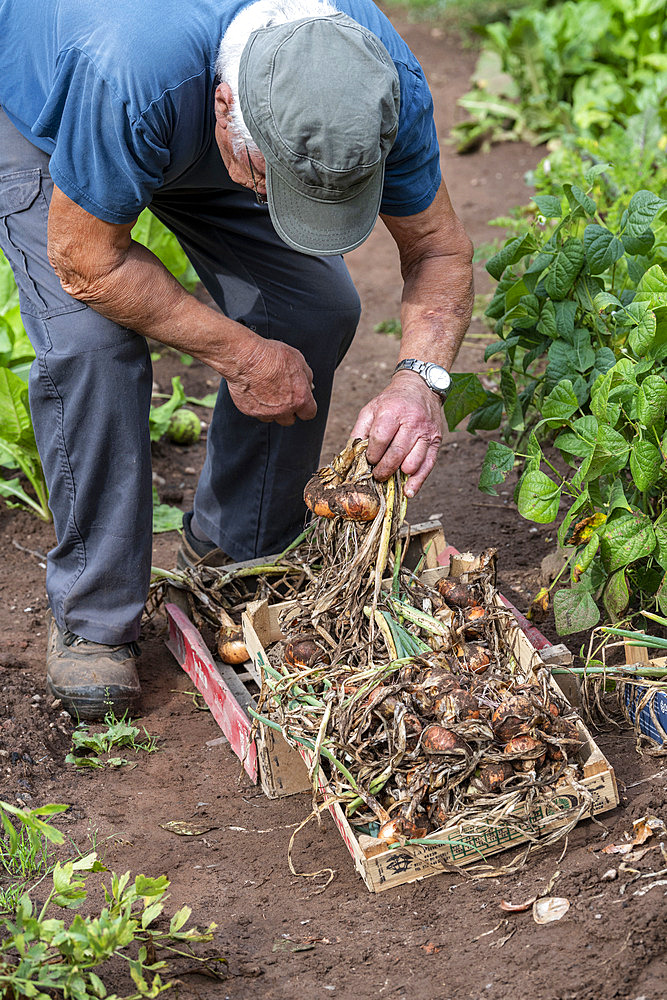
468	843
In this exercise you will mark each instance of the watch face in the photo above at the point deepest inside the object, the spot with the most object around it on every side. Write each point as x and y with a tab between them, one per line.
438	378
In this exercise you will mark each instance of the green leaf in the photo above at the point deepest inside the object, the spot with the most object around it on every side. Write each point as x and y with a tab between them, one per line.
148	887
467	394
11	489
501	347
603	300
574	610
514	413
652	400
15	421
580	441
640	245
662	595
616	595
165	517
512	252
549	206
538	497
560	404
180	918
151	913
626	538
579	200
652	287
584	351
563	362
566	266
488	416
660	530
161	415
593	172
643	329
208	401
645	462
642	210
617	499
602	248
498	462
524	315
610	453
566	313
547	324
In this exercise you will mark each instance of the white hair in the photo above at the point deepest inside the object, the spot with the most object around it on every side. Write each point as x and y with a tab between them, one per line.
260	14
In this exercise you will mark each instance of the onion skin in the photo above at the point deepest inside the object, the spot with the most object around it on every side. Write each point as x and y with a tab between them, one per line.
457	705
456	594
437	739
535	752
305	653
398	827
493	776
231	647
517	907
511	717
477	658
351	501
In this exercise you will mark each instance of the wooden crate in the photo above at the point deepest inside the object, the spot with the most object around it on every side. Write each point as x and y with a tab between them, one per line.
229	691
382	866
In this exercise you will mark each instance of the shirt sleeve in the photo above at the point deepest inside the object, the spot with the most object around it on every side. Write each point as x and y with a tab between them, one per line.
105	160
412	171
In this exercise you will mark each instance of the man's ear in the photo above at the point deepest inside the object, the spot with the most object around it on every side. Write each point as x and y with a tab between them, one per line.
223	104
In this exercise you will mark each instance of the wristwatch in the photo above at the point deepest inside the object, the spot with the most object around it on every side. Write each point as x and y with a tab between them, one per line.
436	377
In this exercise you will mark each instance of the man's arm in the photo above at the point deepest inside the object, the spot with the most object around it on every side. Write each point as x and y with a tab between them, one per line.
404	423
99	264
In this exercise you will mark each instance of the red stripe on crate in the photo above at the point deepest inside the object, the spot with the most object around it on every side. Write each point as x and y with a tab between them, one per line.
190	651
533	634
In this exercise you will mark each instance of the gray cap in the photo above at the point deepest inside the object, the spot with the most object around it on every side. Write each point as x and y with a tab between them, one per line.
320	97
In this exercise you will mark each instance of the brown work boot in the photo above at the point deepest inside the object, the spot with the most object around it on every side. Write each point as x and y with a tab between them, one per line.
194	552
90	678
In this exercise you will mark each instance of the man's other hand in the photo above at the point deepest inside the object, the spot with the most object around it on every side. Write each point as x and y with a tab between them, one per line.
404	430
274	383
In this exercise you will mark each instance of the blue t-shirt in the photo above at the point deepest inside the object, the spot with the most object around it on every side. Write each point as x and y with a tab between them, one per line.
120	94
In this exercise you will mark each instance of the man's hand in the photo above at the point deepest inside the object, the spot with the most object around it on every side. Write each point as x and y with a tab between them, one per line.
404	430
275	384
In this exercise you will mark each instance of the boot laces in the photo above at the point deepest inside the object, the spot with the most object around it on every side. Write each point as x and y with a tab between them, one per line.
72	639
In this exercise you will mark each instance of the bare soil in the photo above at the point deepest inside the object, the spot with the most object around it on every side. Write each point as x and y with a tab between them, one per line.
442	938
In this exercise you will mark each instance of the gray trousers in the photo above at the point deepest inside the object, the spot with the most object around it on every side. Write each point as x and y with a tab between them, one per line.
90	392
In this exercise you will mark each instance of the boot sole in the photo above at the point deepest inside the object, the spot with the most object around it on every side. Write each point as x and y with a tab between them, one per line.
94	707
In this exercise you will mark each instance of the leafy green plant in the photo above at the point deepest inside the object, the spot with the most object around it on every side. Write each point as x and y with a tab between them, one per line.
573	66
41	956
160	416
580	311
18	448
91	749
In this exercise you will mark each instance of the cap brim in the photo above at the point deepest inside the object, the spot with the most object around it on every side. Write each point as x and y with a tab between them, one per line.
323	228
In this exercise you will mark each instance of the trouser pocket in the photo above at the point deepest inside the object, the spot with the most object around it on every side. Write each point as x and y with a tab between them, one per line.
24	214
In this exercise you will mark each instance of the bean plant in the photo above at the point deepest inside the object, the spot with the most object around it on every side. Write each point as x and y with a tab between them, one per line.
580	312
